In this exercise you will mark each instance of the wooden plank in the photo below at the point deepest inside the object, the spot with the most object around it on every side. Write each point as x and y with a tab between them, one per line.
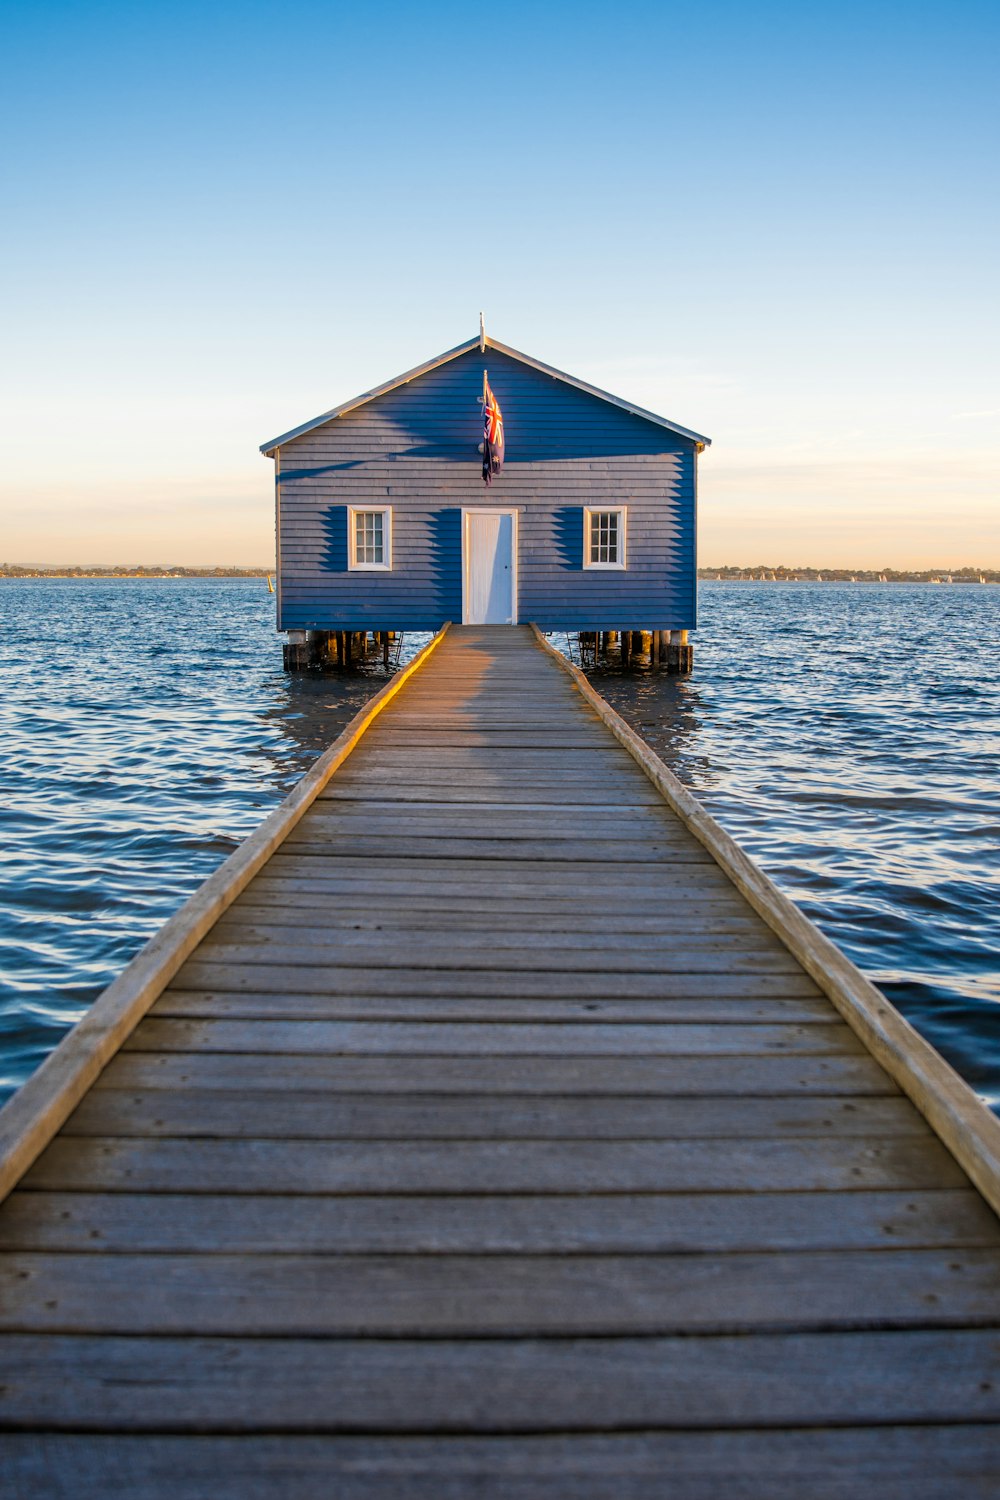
803	1164
475	785
453	679
382	890
503	983
506	766
494	1295
649	875
277	902
599	1224
376	932
443	716
511	768
406	1039
388	798
365	821
416	952
353	1385
272	1114
517	738
958	1116
850	1463
648	887
265	1006
520	876
31	1118
499	821
504	924
392	778
383	804
639	850
523	700
854	1075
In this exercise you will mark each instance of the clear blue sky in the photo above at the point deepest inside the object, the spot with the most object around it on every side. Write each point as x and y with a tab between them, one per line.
775	224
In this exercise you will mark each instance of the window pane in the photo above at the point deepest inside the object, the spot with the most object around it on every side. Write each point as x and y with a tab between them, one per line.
369	537
604	536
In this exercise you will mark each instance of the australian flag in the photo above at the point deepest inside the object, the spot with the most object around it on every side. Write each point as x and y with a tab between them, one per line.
492	434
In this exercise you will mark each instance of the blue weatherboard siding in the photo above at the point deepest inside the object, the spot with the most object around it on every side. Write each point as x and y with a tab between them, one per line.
415	448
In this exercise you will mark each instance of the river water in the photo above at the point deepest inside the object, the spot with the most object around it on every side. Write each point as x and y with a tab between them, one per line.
847	735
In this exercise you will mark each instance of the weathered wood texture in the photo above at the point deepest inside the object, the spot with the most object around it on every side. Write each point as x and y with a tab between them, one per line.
490	1143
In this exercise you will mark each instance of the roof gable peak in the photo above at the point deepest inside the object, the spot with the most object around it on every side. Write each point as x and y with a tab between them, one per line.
483	342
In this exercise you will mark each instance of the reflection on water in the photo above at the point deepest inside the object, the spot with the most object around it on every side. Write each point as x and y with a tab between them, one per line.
847	735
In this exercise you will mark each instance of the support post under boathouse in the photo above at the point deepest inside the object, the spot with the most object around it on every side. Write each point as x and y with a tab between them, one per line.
384	522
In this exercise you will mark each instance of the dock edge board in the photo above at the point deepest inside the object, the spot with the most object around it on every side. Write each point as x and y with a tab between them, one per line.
43	1103
954	1111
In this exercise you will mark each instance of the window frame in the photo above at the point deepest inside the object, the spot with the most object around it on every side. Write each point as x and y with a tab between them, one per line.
589	511
353	511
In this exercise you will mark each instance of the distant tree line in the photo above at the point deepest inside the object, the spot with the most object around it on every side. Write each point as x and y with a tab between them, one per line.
128	570
780	573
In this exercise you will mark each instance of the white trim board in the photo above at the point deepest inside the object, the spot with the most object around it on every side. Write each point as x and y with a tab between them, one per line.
353	511
621	565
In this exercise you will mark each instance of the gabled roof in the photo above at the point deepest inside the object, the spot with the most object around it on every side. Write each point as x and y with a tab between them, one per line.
466	348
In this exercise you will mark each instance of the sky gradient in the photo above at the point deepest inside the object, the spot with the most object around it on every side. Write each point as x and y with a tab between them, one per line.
776	225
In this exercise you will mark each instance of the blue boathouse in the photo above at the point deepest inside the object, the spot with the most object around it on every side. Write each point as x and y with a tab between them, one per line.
384	522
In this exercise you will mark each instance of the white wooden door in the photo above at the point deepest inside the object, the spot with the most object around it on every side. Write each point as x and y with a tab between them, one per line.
489	567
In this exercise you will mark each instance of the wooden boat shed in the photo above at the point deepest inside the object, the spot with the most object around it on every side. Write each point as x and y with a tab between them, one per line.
384	522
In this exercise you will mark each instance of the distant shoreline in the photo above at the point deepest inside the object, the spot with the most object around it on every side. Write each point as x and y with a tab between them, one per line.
17	570
764	573
759	573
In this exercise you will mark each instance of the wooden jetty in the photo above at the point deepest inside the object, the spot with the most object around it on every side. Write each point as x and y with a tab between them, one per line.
489	1126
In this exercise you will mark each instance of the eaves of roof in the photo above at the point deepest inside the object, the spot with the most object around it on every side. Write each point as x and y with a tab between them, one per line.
442	359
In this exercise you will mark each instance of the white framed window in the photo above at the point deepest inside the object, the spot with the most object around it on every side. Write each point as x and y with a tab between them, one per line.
604	533
369	537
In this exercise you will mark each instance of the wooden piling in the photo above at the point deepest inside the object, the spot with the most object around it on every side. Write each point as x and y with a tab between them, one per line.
295	652
680	654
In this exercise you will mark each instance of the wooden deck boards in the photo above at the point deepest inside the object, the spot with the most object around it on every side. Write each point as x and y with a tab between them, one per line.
490	1144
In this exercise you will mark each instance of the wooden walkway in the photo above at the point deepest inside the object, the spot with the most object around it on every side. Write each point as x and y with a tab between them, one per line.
491	1145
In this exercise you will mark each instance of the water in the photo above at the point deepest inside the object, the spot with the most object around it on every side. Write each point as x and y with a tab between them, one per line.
146	728
846	735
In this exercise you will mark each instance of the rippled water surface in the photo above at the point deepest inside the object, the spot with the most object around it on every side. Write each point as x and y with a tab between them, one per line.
146	728
847	735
